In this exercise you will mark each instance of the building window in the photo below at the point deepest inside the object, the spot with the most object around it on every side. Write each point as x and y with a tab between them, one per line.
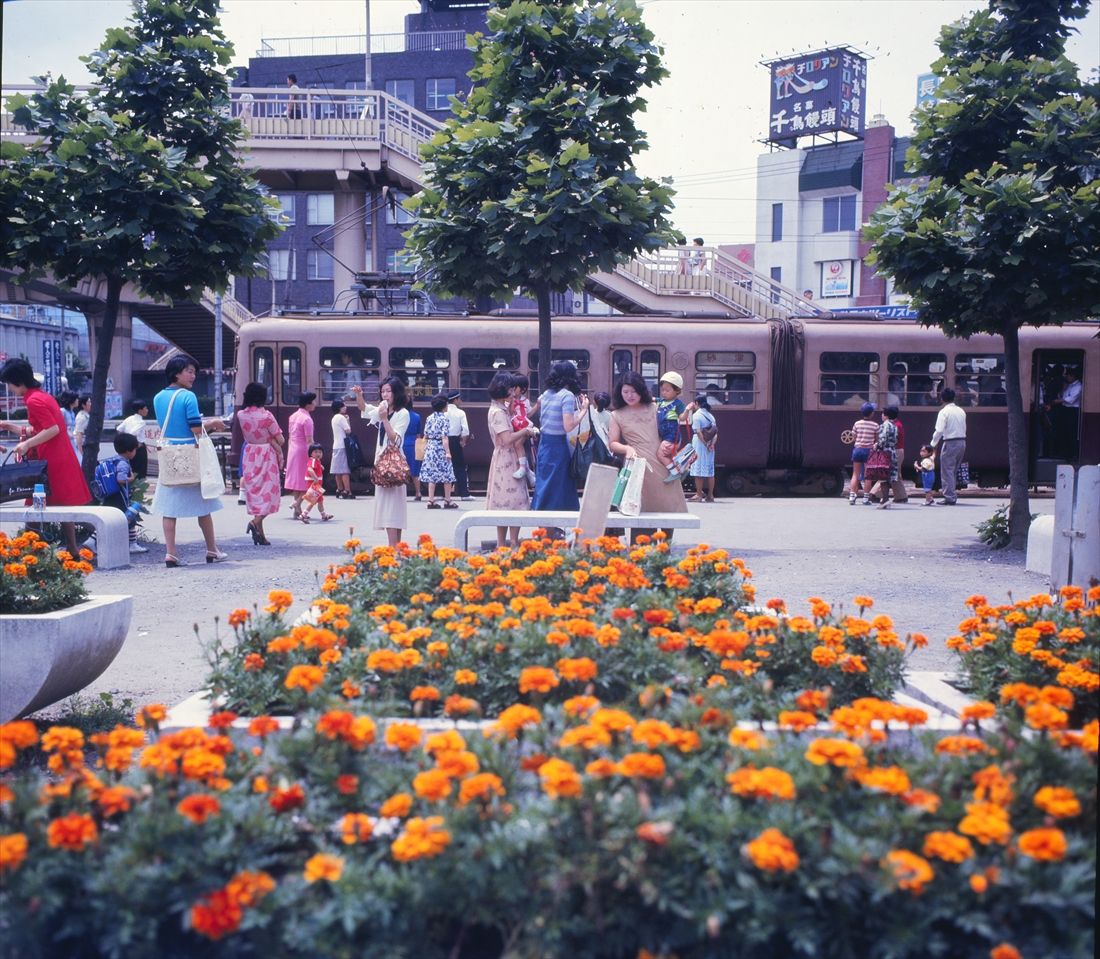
399	261
838	213
320	209
847	379
777	222
726	376
439	90
353	106
318	265
395	212
402	90
280	263
776	274
286	204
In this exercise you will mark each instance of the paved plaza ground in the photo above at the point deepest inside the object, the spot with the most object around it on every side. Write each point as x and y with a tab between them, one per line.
918	563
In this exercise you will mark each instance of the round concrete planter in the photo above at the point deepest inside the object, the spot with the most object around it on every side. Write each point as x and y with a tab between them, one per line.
48	656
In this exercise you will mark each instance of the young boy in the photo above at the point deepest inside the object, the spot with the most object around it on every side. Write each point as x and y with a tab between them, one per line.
315	494
114	476
670	414
926	467
134	424
521	413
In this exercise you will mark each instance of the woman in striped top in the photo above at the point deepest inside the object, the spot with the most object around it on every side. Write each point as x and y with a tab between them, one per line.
560	410
866	431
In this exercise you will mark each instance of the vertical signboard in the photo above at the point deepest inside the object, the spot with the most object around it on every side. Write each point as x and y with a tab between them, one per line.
823	92
51	366
836	278
927	85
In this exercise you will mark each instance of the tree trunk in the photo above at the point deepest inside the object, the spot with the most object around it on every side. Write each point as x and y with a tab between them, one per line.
104	340
1019	510
542	297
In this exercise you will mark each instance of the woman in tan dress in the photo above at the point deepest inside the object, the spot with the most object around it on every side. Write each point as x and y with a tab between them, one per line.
504	490
633	432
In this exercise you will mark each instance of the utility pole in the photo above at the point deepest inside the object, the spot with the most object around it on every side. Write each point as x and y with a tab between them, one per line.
218	405
366	61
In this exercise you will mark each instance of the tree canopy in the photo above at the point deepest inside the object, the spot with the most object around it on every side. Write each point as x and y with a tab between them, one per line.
138	180
1005	231
531	184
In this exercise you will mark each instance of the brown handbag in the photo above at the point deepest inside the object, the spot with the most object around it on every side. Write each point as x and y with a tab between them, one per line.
391	469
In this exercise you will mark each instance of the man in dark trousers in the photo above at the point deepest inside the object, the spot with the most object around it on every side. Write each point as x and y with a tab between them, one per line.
458	433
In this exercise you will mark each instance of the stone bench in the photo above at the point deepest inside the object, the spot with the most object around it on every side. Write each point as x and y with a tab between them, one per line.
112	533
566	519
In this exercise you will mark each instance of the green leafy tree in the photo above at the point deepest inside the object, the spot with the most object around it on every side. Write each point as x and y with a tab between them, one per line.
531	184
138	181
1006	231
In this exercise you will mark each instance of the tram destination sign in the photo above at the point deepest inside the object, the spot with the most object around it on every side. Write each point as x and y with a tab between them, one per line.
822	92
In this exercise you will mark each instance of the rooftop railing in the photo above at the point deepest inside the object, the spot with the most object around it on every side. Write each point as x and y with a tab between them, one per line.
356	44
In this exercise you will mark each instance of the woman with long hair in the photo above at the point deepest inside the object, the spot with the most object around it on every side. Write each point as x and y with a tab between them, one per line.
703	425
560	410
49	441
262	462
391	416
633	433
339	467
505	490
300	432
177	412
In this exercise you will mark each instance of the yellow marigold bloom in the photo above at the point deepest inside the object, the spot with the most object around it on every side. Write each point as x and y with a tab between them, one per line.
581	670
771	851
537	679
278	600
559	779
1046	845
642	765
910	871
432	785
403	736
397	806
13	851
74	832
948	846
765	783
323	866
482	787
304	677
835	752
888	779
421	839
1057	801
986	822
514	718
356	827
465	677
747	739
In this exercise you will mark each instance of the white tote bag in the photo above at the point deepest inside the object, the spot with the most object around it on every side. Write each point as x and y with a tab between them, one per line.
177	463
213	483
631	504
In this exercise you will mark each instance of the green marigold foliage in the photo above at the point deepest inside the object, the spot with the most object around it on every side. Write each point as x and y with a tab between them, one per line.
35	579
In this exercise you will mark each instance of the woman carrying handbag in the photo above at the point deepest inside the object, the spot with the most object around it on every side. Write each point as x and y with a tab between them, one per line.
391	416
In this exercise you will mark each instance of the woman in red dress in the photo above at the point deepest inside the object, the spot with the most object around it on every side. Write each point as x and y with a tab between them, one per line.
50	439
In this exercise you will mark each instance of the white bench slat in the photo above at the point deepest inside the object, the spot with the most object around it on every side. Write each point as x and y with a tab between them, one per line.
112	532
566	519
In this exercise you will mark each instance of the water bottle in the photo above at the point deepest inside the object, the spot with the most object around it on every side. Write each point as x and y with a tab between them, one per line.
38	497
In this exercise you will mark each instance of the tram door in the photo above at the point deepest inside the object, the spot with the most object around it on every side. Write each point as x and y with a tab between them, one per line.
1056	395
649	361
279	366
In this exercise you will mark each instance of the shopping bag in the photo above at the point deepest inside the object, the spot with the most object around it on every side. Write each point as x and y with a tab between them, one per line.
620	482
631	504
962	476
355	453
420	448
212	483
18	479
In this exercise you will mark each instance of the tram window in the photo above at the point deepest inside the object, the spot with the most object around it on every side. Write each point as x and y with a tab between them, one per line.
650	363
343	367
726	376
622	361
263	369
290	361
579	358
915	379
479	366
979	379
424	370
846	378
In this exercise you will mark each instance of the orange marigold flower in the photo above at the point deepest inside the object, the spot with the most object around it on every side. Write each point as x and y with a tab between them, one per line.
655	833
13	851
921	798
304	677
356	827
397	806
292	797
1004	951
642	765
239	617
992	785
1057	801
824	656
979	883
1021	694
961	746
199	807
771	851
216	915
537	679
892	780
278	600
403	736
455	705
21	734
577	670
601	768
253	663
835	752
512	719
432	784
465	677
482	787
559	779
222	719
421	839
863	602
796	720
323	866
948	846
248	887
263	726
986	822
977	711
347	784
580	705
73	832
910	871
747	739
765	783
1043	715
114	800
1047	845
613	720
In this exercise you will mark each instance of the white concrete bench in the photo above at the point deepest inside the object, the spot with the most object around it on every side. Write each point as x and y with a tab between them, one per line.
112	533
566	519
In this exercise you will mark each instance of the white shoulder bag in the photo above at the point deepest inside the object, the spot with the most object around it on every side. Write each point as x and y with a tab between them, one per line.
177	463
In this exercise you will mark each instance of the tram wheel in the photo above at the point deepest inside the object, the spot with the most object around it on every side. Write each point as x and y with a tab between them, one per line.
735	484
831	483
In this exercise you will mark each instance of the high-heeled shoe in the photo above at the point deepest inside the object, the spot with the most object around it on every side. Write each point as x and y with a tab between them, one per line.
173	561
216	556
254	533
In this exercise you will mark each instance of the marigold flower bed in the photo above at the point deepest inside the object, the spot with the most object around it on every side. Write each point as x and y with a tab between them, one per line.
575	825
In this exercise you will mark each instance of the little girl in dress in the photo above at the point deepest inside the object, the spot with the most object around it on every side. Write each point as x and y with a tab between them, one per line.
315	493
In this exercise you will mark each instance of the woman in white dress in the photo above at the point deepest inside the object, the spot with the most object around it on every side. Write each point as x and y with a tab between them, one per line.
704	436
391	416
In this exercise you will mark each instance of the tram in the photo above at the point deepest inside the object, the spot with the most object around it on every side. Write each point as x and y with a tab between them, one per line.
782	390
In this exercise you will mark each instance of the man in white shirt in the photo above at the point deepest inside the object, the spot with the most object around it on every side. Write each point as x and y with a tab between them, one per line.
950	437
1067	414
458	433
134	424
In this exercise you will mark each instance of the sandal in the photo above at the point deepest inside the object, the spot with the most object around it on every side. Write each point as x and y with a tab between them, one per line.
432	504
325	517
173	561
303	518
450	505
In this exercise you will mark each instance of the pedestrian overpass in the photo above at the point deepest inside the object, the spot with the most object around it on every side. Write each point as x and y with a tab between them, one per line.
351	142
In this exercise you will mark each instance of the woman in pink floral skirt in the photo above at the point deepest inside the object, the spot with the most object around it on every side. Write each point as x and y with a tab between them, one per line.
263	460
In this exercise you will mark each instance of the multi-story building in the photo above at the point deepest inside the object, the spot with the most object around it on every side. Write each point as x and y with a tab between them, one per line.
810	208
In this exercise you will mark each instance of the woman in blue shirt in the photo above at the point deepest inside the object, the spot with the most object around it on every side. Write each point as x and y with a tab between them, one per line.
560	410
184	426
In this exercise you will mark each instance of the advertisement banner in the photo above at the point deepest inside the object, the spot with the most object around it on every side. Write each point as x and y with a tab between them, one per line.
51	366
822	92
836	278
